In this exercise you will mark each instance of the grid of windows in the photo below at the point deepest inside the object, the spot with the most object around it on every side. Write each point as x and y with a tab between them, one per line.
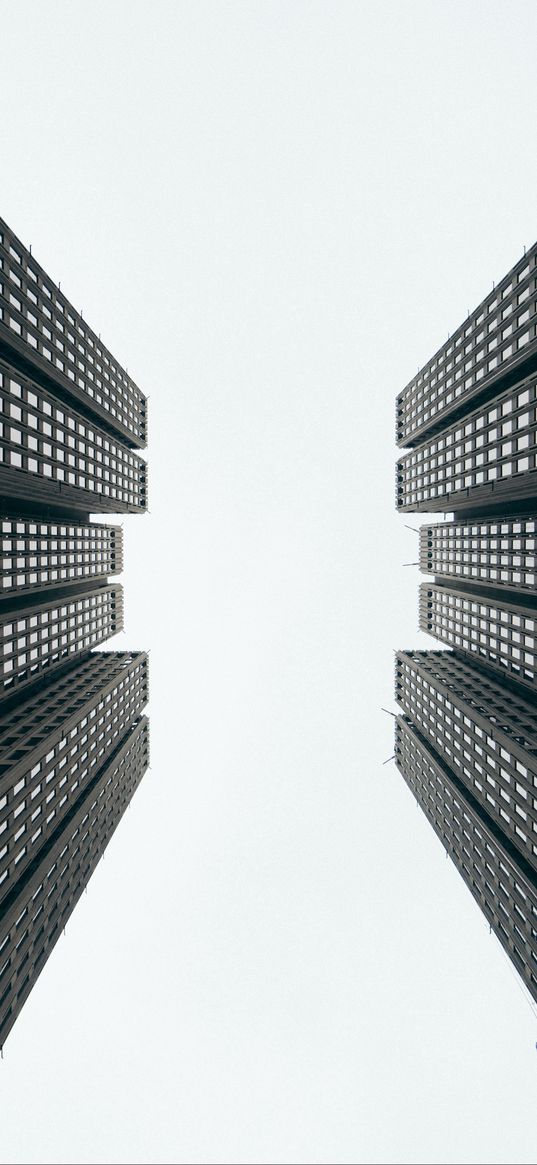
33	309
503	886
46	714
44	768
499	553
475	726
499	334
41	439
73	742
39	555
493	448
38	908
45	636
501	633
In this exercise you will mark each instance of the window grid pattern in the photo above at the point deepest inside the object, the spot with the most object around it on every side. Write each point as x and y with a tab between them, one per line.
38	787
498	553
46	714
42	637
42	439
500	633
48	554
477	738
35	914
34	309
503	889
499	333
496	443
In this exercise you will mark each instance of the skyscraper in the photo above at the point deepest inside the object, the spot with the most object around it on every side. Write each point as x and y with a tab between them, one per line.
73	738
466	739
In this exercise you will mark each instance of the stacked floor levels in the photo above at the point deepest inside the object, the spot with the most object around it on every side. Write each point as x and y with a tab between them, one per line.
73	737
466	739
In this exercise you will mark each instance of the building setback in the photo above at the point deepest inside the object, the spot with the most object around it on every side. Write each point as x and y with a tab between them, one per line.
487	458
466	742
54	745
487	736
46	555
495	553
499	631
73	735
51	447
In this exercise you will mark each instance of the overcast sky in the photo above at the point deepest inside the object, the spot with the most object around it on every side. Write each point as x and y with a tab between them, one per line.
273	212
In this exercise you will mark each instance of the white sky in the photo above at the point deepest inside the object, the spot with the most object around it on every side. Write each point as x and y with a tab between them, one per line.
273	213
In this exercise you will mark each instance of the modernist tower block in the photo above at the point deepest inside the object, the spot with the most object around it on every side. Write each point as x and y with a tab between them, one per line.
74	740
466	741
